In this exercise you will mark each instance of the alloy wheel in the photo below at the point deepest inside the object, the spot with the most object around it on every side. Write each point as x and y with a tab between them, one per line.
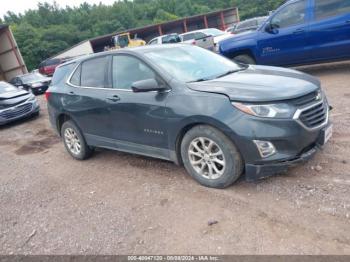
207	158
72	141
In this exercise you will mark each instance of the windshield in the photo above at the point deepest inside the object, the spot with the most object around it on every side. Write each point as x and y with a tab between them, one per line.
191	63
5	87
32	78
213	32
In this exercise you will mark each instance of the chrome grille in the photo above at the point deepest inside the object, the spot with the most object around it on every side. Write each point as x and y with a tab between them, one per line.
315	115
17	111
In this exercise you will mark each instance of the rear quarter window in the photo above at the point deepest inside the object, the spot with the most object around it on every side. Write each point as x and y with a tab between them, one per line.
62	73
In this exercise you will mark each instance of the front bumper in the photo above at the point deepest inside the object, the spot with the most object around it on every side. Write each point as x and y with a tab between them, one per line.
20	111
256	172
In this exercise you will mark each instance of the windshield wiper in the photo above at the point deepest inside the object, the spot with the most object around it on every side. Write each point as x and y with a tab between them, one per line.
230	72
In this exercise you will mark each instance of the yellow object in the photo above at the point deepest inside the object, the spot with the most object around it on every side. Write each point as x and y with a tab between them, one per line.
124	40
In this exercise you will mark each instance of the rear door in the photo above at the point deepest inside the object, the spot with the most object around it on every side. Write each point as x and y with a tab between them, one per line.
330	29
287	43
88	98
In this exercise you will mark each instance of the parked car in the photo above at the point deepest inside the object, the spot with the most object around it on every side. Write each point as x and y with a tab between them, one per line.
199	39
217	34
48	66
165	39
16	103
33	82
299	32
231	29
251	24
190	106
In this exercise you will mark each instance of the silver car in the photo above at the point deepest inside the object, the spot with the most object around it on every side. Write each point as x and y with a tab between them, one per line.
16	103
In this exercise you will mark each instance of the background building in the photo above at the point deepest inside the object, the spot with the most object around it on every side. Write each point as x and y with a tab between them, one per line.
219	19
11	61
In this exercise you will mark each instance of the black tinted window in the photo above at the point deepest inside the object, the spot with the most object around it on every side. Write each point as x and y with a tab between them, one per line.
93	72
329	8
292	14
127	70
200	35
62	73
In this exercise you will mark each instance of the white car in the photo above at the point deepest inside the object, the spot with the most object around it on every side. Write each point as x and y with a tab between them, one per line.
165	39
217	34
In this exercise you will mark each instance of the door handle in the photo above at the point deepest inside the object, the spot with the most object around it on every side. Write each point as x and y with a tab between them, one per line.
71	93
114	98
299	31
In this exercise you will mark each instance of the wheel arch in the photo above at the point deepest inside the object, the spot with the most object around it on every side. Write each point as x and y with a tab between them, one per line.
188	125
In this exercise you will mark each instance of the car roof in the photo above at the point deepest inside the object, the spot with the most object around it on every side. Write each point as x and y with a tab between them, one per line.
133	50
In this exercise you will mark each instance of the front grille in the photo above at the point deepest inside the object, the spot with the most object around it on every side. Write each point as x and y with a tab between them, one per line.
17	111
306	99
315	115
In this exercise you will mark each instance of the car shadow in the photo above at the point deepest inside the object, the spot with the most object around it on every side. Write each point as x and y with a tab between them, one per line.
19	122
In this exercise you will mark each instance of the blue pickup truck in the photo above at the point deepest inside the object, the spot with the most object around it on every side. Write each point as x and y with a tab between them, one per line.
299	32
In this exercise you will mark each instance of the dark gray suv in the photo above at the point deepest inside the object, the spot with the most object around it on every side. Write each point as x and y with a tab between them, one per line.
190	106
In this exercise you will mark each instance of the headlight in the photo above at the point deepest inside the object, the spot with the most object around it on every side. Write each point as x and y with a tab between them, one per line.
267	110
32	98
36	84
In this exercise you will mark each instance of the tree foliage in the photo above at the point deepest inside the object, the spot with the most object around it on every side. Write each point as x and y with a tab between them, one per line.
49	29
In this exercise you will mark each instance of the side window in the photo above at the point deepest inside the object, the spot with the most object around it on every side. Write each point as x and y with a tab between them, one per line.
153	42
199	35
188	37
127	70
94	72
61	73
292	14
75	79
330	8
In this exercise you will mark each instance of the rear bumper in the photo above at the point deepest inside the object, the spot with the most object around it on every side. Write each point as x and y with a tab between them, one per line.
256	172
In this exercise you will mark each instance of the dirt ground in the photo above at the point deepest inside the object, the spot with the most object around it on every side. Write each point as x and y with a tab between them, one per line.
118	203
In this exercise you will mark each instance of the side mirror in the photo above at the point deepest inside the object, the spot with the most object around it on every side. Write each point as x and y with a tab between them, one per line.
146	86
271	29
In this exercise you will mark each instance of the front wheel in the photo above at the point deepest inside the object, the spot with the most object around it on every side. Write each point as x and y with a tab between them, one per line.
74	141
210	157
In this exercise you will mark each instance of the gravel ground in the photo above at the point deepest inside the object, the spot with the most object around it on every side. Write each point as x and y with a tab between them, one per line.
118	203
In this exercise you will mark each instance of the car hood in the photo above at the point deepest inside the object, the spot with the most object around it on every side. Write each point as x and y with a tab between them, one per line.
260	84
41	80
219	38
240	37
12	98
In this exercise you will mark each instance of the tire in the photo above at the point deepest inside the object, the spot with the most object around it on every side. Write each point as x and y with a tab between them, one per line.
244	59
74	141
231	159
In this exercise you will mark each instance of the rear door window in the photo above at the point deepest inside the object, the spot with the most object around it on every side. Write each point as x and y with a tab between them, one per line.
330	8
94	72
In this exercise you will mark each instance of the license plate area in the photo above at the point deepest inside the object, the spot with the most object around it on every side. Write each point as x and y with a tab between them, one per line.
326	134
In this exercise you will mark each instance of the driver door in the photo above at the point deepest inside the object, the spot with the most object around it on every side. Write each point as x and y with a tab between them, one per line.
286	41
138	119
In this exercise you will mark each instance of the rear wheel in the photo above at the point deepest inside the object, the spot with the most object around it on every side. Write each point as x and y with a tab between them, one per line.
210	157
74	141
244	59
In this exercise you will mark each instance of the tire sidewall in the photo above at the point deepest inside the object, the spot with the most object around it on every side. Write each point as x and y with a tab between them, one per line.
84	152
233	168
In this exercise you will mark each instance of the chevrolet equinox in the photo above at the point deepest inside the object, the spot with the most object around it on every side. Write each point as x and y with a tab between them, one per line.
193	107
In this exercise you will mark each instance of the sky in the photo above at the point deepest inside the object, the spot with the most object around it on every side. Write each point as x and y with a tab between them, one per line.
19	6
